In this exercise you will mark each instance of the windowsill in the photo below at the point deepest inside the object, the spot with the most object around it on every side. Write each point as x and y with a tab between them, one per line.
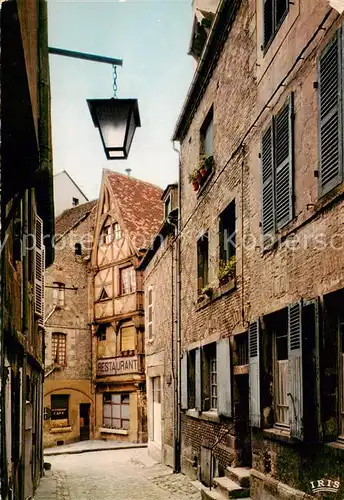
338	445
221	291
122	432
279	434
210	415
203	187
60	430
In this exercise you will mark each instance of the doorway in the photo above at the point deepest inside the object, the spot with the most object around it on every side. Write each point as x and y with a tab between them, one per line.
242	427
157	410
85	421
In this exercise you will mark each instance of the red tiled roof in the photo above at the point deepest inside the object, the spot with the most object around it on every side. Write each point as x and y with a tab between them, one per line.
140	206
72	216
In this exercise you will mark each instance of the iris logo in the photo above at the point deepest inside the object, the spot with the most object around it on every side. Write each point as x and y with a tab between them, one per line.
325	486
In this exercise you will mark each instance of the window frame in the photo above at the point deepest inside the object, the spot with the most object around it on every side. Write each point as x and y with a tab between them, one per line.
55	353
279	423
55	396
207	128
111	404
213	383
202	262
132	280
150	313
227	253
275	27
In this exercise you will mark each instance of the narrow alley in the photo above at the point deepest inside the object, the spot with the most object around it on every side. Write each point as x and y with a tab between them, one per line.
126	474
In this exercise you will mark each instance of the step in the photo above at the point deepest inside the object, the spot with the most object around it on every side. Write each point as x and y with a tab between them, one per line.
240	475
229	488
208	494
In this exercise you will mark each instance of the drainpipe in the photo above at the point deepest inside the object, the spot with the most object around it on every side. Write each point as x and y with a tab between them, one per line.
177	389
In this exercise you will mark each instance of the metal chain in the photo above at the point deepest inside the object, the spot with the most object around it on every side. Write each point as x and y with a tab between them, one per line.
115	87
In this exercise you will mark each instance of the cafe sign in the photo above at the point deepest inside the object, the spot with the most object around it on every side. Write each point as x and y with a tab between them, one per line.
117	366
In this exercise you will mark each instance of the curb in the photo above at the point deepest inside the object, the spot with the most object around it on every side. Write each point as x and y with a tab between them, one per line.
92	450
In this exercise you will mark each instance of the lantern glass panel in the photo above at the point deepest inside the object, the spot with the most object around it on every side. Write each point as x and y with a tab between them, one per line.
113	125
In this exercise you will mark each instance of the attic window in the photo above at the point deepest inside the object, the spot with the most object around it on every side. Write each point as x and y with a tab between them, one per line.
78	249
75	202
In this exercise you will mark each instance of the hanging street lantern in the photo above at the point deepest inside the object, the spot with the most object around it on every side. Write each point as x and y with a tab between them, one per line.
116	120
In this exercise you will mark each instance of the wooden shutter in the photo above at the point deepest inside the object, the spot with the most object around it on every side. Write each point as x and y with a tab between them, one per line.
295	378
184	381
224	385
267	166
254	373
198	380
283	164
41	319
330	119
39	265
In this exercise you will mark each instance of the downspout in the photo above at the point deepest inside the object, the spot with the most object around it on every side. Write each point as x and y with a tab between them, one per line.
26	336
177	388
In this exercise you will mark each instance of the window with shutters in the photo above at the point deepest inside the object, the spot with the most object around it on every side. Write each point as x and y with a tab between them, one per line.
209	377
59	294
202	262
277	171
59	348
127	280
275	12
331	115
150	313
116	414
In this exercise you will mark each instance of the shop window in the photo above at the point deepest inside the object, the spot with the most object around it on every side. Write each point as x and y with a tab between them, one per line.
59	407
116	411
127	280
128	337
202	262
59	294
275	12
58	348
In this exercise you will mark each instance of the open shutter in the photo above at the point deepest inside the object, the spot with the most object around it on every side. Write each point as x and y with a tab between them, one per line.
330	120
224	385
184	382
295	370
254	373
267	166
41	319
198	380
39	265
283	164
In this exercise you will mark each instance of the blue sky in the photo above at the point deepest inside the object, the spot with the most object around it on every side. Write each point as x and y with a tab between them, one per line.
152	38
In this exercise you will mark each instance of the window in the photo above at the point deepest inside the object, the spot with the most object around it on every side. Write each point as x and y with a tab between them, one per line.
331	115
150	313
191	378
78	249
127	280
168	206
156	389
277	171
101	331
110	233
116	411
103	295
274	13
213	383
117	231
59	407
202	262
75	202
209	377
280	373
59	294
227	233
207	134
128	337
58	348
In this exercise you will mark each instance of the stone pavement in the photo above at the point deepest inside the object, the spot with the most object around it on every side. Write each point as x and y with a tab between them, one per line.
123	474
92	445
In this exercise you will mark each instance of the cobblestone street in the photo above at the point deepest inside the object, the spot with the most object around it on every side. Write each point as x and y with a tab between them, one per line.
116	474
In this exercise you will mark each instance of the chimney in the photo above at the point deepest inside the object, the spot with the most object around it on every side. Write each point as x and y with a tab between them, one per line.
128	170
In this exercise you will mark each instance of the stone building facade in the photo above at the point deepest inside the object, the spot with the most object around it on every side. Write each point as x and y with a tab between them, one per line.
27	228
129	214
261	134
68	390
159	264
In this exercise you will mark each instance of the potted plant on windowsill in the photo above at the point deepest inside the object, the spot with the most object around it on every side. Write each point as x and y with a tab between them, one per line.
208	291
227	270
194	180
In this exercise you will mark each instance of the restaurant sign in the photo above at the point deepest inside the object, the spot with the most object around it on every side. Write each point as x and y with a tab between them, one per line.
117	366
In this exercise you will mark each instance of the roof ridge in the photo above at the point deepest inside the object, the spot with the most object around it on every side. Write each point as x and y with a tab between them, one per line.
111	172
75	208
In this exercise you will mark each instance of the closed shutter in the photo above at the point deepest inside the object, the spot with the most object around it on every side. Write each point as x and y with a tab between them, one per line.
41	320
184	382
224	385
38	278
283	164
268	211
295	370
198	380
254	373
330	119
